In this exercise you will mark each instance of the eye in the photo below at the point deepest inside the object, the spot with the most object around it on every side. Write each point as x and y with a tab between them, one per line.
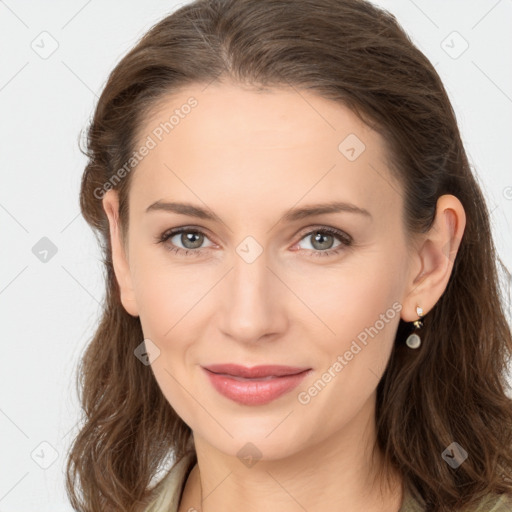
192	239
323	238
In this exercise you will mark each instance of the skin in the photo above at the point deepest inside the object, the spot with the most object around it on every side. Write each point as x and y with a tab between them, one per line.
249	156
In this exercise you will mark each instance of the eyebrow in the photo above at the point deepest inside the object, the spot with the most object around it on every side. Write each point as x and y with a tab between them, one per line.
291	215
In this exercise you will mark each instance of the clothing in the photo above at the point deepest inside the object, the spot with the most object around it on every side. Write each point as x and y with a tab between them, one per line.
172	485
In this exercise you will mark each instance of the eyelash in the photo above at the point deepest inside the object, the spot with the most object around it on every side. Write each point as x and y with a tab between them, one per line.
346	241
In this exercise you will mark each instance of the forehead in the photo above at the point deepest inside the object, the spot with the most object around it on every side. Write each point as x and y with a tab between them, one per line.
230	142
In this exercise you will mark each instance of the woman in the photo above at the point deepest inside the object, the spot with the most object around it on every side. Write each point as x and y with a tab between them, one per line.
303	308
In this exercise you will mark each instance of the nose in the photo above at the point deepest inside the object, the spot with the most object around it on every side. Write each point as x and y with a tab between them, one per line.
253	302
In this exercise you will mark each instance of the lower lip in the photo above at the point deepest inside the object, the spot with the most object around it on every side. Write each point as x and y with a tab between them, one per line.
255	391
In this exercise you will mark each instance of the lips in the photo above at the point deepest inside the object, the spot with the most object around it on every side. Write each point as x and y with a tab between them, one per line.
258	385
256	372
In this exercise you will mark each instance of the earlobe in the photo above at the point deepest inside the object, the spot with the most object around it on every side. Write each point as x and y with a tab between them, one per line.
119	259
435	257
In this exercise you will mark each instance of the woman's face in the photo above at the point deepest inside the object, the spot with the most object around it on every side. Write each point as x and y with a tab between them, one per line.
255	283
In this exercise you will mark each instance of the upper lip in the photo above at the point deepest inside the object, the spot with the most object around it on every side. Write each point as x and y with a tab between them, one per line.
255	372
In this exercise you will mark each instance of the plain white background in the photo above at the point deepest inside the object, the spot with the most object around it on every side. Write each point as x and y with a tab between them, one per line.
56	57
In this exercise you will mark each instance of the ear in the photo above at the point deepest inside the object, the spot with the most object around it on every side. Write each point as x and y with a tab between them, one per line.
434	257
119	257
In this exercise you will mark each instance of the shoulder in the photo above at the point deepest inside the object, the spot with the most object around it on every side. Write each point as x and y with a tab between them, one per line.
167	493
494	503
490	503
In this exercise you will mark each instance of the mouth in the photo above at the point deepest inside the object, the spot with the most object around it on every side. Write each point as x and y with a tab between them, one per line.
262	372
263	385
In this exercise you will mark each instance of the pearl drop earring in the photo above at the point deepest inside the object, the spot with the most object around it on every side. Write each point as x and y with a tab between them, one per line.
413	340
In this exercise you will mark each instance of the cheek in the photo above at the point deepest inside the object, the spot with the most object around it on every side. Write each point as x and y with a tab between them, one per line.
362	311
354	295
166	299
156	299
165	292
361	308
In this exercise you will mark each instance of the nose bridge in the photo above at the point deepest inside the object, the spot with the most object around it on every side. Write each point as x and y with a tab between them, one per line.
251	305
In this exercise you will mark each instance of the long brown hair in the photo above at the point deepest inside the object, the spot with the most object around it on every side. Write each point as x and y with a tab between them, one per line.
451	389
